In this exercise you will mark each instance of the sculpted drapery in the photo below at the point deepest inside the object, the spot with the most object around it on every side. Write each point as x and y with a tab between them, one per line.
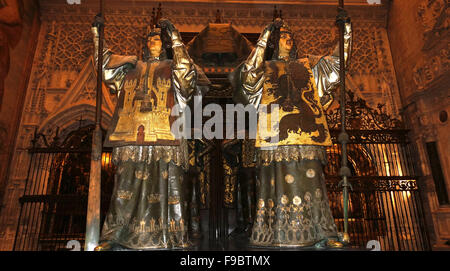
292	204
149	204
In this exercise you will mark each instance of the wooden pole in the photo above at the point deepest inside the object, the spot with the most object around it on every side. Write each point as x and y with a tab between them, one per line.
344	171
93	209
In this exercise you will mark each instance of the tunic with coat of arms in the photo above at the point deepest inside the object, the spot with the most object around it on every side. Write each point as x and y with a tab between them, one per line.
291	96
147	93
300	118
143	115
301	88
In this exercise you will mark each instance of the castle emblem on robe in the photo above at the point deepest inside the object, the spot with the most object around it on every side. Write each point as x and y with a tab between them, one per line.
144	119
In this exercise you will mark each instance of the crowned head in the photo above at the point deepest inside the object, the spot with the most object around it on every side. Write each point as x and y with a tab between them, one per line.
281	40
154	41
286	41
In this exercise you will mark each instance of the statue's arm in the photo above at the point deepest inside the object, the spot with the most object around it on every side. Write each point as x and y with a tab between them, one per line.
184	73
251	73
115	67
326	70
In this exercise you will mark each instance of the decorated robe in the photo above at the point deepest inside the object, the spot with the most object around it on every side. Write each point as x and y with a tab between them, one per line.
149	204
143	114
301	118
292	204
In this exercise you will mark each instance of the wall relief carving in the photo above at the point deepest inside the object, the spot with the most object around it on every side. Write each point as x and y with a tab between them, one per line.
433	16
429	69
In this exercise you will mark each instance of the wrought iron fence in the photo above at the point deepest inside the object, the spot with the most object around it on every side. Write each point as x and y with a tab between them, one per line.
384	203
54	204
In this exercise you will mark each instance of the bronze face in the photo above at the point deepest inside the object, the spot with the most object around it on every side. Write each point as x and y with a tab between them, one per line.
285	44
154	44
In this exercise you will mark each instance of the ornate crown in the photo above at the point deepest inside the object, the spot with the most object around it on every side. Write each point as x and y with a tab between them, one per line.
285	29
154	28
279	14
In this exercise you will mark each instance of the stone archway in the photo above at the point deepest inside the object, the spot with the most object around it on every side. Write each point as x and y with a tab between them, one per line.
72	118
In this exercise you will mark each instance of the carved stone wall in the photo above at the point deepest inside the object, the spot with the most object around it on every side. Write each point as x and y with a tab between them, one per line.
419	36
371	70
371	74
19	23
62	84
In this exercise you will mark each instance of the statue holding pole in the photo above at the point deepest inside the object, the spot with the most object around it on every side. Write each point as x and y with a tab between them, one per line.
94	198
148	209
292	203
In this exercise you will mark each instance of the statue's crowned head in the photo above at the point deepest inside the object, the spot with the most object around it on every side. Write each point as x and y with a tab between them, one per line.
155	42
281	41
286	41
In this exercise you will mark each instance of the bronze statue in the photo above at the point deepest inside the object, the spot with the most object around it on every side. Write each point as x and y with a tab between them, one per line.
148	208
292	203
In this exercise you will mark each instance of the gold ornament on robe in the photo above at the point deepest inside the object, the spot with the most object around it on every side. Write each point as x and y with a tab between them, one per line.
147	92
301	118
155	123
258	80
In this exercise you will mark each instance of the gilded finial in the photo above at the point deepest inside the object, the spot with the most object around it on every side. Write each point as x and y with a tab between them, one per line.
277	13
156	16
218	17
